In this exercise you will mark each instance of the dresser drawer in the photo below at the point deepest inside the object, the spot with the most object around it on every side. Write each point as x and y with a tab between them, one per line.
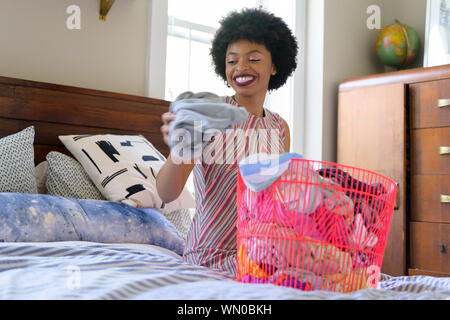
425	151
427	198
421	272
430	245
424	104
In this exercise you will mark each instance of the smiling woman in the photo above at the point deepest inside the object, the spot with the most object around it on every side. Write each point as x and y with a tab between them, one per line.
249	57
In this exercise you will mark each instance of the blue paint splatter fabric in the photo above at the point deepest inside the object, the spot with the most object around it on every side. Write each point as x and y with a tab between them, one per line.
47	218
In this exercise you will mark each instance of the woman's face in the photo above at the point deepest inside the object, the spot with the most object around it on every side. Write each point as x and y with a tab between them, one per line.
248	67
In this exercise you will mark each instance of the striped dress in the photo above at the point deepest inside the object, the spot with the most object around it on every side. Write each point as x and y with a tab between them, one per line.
211	240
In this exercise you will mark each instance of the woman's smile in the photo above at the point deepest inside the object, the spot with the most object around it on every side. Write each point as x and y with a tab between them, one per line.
243	80
248	68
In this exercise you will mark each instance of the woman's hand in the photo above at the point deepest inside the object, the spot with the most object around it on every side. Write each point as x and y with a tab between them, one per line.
166	118
172	176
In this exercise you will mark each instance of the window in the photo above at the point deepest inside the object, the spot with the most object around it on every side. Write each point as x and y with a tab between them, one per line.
190	31
188	65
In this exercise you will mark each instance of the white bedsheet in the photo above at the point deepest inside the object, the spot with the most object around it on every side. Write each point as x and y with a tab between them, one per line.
87	270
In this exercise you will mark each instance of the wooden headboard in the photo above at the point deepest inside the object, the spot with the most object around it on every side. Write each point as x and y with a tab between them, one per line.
63	110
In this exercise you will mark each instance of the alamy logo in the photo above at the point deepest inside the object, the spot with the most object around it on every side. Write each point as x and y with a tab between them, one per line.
374	274
73	282
73	22
374	20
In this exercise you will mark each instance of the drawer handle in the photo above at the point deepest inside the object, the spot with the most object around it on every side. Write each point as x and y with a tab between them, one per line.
445	198
443	103
397	197
444	150
442	248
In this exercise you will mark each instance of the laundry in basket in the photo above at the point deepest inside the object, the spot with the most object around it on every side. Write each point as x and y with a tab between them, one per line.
311	225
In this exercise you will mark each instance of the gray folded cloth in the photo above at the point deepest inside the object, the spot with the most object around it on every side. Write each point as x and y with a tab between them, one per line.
196	114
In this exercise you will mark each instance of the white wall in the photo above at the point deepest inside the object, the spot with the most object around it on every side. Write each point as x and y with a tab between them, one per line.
348	52
106	55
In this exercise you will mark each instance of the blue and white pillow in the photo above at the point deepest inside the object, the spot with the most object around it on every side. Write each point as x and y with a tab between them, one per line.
47	218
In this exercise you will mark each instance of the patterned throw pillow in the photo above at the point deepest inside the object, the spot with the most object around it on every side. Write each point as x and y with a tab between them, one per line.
40	173
67	178
181	219
17	162
124	168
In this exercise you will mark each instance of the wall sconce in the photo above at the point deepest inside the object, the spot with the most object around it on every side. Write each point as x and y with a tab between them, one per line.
105	5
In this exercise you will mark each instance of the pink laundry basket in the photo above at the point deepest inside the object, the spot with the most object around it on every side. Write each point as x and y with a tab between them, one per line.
319	226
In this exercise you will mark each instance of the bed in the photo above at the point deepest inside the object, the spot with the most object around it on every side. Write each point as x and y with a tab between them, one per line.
107	260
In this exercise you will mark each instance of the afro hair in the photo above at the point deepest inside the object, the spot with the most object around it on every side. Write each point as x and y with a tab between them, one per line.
261	27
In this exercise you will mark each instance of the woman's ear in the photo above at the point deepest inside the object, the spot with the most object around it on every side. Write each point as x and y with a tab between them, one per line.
274	70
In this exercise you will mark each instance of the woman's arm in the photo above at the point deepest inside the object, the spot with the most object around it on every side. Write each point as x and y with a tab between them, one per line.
172	178
287	137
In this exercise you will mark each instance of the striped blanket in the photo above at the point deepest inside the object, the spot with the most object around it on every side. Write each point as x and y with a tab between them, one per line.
90	270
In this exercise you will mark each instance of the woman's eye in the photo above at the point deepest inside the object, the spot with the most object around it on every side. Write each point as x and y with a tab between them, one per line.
231	62
254	60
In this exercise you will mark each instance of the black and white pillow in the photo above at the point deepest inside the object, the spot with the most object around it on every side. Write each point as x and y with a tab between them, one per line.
17	162
124	168
67	178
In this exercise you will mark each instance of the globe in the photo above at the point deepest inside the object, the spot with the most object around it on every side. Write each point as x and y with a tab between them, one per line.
397	45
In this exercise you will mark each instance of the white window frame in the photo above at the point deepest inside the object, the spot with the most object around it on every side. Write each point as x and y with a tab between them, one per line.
297	123
189	26
156	63
155	76
172	21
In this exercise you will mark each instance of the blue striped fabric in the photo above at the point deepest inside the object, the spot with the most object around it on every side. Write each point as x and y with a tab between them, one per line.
89	270
261	170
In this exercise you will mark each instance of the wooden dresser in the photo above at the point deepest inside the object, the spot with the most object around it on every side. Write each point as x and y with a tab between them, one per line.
398	124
